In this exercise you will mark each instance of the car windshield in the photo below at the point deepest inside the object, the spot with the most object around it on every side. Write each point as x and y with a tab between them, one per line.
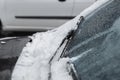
95	47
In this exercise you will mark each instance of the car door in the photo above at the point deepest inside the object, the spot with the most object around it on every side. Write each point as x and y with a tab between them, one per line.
38	13
80	5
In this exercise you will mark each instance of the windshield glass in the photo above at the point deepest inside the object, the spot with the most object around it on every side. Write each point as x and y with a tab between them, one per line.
95	48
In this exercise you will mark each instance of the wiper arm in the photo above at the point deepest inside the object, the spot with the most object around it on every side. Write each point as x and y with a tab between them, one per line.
64	45
71	36
73	71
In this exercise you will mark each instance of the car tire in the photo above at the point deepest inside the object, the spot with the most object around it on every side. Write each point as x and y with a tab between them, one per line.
3	33
0	28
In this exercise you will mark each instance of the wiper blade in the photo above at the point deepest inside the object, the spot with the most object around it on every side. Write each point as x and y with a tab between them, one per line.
60	53
71	36
73	71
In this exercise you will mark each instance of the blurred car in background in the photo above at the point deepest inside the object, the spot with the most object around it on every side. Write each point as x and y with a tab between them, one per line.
37	15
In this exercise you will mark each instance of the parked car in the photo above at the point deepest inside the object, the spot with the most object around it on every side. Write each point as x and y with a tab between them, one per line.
93	48
38	15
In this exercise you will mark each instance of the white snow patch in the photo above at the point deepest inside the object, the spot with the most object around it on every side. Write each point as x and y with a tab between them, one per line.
59	70
33	63
81	55
92	8
7	38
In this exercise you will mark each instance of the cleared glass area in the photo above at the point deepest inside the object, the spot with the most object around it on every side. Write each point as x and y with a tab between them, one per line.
96	44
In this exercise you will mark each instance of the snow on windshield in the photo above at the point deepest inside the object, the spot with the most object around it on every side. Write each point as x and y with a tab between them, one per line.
33	63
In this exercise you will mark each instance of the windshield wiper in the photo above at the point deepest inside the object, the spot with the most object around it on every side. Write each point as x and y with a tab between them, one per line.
71	36
60	52
73	71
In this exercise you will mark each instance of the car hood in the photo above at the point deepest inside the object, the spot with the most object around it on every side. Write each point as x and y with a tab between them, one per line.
36	55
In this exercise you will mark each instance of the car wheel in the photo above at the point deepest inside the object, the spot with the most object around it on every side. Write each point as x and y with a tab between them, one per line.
0	28
3	33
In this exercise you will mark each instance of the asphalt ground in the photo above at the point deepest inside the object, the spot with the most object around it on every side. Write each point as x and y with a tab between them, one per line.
10	49
11	45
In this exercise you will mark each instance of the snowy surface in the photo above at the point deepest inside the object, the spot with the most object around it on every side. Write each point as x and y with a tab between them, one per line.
33	63
95	6
59	70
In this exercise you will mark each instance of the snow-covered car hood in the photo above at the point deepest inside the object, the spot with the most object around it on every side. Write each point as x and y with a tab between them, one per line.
35	57
33	63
